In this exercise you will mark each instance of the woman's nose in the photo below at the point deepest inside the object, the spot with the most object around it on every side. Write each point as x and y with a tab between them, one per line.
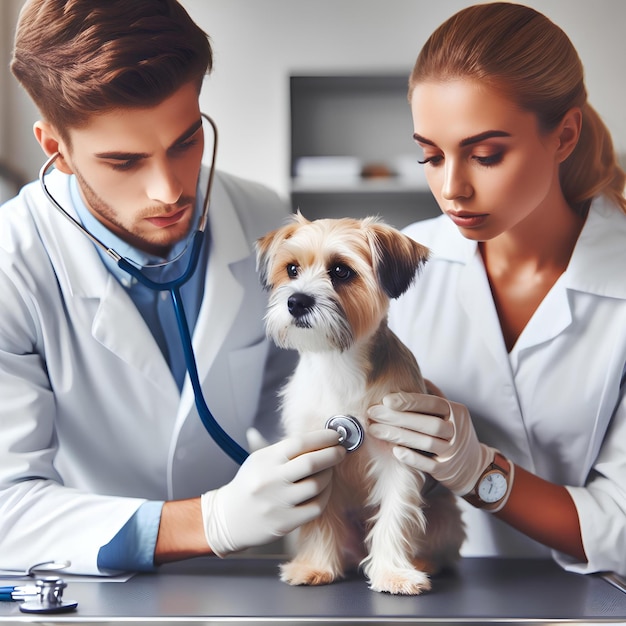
455	182
164	185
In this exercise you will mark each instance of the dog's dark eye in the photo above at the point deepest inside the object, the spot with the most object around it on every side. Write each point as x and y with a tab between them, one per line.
292	270
340	272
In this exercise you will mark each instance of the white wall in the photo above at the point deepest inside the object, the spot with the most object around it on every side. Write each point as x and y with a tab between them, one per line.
258	43
18	147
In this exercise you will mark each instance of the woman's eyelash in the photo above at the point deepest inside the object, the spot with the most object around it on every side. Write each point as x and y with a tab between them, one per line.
492	159
432	159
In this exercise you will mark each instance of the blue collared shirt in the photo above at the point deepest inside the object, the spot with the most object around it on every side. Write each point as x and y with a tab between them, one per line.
133	546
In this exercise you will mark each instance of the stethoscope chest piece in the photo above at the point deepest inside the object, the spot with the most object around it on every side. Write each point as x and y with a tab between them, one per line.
49	598
350	429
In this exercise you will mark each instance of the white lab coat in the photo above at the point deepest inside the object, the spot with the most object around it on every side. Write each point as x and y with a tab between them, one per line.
555	405
91	420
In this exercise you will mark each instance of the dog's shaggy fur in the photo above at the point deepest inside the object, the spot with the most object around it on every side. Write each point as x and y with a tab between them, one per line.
330	282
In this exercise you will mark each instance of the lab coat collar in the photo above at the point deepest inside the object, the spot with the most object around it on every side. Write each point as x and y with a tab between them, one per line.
85	274
126	250
223	293
596	267
597	263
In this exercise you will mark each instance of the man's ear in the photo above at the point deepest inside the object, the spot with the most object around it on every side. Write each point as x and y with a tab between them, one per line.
51	143
569	133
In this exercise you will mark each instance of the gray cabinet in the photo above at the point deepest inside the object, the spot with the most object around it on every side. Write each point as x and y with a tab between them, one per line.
352	151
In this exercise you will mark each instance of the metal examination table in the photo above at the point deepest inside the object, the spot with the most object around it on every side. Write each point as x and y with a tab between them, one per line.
245	591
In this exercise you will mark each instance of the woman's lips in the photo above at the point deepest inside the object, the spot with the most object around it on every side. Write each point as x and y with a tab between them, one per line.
468	220
167	220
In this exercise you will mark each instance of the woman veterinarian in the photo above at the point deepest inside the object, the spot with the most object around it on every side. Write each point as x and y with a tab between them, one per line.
519	318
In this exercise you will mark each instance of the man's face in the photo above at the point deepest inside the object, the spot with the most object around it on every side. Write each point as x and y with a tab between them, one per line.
138	169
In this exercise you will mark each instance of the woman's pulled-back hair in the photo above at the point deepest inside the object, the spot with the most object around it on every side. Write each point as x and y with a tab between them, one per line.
77	58
520	53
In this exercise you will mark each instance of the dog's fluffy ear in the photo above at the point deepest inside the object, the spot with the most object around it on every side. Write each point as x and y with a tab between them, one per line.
398	258
267	245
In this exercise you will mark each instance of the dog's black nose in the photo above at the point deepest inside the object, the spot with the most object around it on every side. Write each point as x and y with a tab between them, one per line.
300	304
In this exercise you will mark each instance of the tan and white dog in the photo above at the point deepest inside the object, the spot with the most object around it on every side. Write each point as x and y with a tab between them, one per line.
330	283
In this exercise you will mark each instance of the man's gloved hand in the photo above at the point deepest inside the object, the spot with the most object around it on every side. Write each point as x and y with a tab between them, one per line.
420	423
277	489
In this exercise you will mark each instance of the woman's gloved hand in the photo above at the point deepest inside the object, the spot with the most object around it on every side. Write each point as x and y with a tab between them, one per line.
432	435
277	489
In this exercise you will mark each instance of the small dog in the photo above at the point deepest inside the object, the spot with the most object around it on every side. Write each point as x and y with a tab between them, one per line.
330	283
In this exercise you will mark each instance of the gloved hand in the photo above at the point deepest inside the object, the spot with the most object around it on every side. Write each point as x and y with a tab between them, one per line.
277	489
421	423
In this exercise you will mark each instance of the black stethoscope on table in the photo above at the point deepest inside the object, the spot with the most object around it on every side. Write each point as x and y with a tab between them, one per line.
348	427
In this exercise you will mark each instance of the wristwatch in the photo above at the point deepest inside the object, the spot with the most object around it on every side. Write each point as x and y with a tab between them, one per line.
492	487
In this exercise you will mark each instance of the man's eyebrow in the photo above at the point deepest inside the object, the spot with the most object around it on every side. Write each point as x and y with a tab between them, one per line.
126	156
468	141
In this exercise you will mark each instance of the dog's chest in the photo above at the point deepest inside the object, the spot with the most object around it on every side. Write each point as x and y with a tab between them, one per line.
324	384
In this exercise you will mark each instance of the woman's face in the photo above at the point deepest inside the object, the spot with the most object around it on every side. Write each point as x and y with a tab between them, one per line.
486	162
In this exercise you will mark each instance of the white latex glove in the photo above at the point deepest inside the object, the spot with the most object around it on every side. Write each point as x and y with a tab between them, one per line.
276	490
425	423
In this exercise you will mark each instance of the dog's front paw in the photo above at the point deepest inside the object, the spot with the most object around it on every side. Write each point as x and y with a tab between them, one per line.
407	582
302	573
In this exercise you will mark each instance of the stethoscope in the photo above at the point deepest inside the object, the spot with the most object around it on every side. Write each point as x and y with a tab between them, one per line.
351	433
45	595
225	442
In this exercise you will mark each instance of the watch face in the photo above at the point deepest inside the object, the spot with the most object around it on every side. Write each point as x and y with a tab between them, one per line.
492	487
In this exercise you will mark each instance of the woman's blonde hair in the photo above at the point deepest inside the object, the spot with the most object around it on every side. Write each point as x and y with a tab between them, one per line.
523	55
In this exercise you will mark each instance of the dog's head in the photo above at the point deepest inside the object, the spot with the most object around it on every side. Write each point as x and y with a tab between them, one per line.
331	279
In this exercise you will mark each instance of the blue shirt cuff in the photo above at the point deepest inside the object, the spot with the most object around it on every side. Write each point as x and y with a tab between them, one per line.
132	549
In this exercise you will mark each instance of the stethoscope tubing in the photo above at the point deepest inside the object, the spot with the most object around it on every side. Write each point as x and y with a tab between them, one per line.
219	435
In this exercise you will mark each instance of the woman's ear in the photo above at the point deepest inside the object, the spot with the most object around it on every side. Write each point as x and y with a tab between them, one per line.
51	143
569	133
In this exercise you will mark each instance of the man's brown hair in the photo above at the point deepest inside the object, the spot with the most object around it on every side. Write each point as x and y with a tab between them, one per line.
77	58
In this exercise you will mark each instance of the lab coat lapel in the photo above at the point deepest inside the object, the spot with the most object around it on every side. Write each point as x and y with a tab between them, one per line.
475	296
117	324
223	294
476	299
119	327
550	319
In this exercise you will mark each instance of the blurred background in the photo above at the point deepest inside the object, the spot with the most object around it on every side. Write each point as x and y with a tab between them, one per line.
310	96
